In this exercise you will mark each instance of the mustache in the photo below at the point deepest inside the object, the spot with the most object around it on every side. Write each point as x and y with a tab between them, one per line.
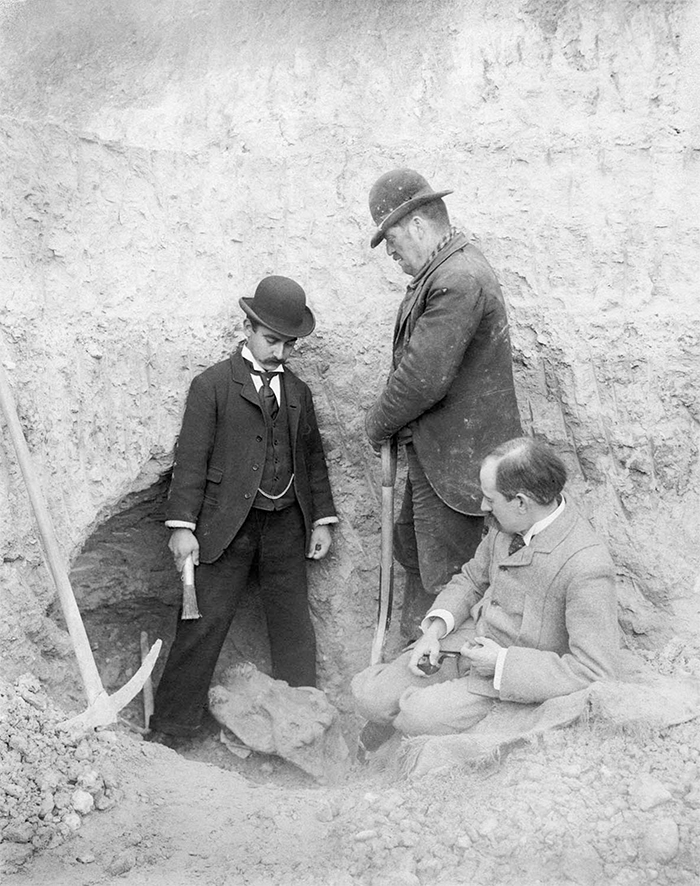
490	522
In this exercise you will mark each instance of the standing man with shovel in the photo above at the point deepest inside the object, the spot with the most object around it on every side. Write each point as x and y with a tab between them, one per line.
449	398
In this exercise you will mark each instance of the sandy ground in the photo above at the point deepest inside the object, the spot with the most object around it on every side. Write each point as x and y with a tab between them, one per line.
584	806
183	822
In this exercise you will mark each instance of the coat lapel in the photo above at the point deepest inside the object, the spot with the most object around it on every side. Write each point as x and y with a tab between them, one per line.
546	540
290	391
290	397
240	374
415	288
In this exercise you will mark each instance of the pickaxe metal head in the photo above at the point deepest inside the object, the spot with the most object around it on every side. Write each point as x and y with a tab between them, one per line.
103	710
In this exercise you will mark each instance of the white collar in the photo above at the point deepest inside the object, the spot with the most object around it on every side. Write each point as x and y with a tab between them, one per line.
247	355
544	523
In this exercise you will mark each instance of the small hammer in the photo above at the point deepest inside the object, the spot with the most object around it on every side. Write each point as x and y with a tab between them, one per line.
190	610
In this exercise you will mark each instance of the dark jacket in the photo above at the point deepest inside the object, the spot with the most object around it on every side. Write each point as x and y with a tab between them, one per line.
452	378
220	455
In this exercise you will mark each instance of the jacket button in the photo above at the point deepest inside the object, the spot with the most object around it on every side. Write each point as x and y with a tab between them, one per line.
255	467
247	495
259	438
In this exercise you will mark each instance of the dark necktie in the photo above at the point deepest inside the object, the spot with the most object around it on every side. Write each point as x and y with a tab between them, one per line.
265	394
516	543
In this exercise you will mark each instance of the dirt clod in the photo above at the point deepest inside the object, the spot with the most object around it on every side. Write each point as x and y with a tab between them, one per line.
46	784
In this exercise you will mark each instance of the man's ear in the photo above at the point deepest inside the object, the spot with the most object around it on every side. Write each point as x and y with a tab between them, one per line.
524	502
247	327
420	228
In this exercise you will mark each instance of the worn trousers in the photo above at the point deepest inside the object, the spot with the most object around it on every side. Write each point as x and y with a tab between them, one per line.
274	541
441	704
431	541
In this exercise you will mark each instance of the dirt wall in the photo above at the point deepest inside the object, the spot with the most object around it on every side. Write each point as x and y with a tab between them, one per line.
156	160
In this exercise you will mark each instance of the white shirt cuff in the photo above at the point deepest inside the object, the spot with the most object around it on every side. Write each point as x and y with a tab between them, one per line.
446	616
183	524
500	664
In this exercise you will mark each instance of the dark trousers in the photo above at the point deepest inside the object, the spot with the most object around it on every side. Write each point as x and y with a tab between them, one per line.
431	542
275	542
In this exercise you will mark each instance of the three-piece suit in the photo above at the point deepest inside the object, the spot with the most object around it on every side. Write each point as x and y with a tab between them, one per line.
228	450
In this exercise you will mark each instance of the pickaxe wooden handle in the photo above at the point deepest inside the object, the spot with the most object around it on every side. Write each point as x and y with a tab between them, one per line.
102	709
386	564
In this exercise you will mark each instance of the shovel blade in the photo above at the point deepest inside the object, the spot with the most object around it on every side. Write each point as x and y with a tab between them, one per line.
104	709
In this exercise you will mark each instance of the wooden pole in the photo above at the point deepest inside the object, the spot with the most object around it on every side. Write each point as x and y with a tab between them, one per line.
74	622
386	564
147	686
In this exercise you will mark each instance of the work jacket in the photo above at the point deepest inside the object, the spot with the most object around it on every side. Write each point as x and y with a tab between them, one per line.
452	378
220	455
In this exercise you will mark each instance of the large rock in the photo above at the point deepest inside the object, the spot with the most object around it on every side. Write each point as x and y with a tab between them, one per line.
271	717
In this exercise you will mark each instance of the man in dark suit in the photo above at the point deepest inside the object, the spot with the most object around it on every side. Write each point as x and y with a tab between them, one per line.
450	396
249	488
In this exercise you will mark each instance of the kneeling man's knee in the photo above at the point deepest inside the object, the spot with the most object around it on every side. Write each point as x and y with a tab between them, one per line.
370	702
416	717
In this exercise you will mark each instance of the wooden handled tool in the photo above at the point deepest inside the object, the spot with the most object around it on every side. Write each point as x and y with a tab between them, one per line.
386	564
190	610
148	701
102	708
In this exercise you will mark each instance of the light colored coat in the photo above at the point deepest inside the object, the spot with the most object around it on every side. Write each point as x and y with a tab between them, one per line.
552	603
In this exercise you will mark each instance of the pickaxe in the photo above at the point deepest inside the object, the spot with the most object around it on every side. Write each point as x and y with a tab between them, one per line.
102	709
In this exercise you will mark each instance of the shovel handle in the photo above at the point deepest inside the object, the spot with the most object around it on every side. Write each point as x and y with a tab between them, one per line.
148	701
386	562
71	613
388	454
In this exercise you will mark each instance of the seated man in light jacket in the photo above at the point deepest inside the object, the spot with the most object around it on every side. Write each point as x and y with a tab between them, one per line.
532	616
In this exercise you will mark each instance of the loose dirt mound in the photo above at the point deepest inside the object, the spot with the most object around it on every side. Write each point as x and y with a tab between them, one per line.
584	805
49	779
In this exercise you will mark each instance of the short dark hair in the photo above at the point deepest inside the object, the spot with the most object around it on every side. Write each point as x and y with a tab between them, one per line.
528	466
435	212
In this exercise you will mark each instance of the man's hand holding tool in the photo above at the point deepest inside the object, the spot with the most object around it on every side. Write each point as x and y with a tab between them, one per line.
184	547
183	543
426	650
482	653
427	657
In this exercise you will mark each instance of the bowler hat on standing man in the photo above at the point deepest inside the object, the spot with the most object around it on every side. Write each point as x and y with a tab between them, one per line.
280	304
394	195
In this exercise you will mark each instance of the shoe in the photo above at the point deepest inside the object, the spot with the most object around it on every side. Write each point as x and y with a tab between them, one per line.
209	725
373	736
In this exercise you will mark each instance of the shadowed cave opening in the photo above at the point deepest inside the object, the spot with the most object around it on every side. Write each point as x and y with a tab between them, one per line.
126	583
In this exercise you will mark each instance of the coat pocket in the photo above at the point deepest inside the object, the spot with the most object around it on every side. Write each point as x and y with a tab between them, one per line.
504	610
211	490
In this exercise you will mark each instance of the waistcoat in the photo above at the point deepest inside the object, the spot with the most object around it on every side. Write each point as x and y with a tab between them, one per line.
279	463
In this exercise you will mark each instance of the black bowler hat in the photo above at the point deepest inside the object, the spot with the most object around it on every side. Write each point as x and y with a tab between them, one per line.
394	195
280	304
